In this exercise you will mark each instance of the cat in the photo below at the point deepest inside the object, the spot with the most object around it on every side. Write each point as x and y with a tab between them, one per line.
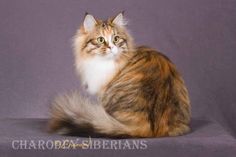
140	93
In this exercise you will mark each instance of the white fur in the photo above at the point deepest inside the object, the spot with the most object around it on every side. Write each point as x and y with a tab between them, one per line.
96	72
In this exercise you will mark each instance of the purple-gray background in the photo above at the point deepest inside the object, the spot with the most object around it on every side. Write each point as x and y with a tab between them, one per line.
36	59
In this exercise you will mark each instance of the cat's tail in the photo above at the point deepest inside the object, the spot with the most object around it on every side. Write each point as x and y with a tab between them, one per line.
73	113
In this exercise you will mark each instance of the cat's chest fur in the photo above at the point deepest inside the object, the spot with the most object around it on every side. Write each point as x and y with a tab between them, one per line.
96	72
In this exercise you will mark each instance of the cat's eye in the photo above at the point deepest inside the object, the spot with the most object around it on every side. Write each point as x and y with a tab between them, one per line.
100	40
116	39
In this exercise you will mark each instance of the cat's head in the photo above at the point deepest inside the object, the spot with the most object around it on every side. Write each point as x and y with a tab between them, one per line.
107	39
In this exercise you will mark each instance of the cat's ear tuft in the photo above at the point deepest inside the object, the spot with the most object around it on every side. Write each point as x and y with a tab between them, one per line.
119	20
89	22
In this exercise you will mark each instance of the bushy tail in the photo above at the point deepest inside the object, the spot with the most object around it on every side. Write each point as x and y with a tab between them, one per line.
72	113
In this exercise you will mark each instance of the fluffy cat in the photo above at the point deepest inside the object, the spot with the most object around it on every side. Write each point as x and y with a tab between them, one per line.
139	91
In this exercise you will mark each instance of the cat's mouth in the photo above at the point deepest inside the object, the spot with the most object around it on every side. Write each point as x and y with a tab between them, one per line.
108	55
111	54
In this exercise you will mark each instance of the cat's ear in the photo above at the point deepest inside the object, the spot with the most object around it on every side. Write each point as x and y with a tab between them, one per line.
89	22
119	20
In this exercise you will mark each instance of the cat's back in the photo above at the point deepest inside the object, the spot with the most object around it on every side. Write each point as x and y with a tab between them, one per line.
149	61
147	68
149	53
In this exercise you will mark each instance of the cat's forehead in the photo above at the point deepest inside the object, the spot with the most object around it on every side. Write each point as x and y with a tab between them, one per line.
105	24
106	28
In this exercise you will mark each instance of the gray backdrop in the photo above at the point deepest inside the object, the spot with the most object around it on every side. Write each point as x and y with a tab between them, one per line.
36	60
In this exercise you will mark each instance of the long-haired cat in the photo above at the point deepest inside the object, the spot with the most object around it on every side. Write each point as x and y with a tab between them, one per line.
139	91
